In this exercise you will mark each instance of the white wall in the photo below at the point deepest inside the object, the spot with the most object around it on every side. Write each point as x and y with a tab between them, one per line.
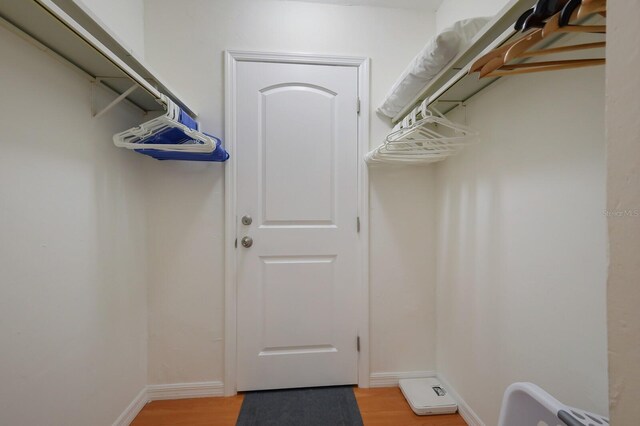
186	302
403	265
522	239
623	204
522	257
73	324
124	17
451	11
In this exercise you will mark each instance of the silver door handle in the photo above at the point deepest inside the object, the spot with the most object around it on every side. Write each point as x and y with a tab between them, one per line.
246	242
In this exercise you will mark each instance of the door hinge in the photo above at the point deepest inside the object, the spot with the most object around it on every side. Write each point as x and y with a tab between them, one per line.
358	223
358	343
358	106
236	243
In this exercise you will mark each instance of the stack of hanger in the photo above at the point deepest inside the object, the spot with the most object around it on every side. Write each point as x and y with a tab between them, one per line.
422	137
172	136
545	19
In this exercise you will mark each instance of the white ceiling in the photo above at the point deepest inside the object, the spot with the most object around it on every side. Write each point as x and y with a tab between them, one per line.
429	5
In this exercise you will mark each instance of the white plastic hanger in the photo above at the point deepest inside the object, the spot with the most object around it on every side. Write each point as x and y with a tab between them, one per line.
194	141
422	140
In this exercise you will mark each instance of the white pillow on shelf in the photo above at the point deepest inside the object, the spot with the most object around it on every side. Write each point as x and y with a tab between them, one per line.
429	62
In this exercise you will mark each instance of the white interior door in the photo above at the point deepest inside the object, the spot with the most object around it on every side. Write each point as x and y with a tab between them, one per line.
296	153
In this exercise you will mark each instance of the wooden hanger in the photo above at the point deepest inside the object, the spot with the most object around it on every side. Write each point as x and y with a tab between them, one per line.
523	45
497	63
520	45
516	69
491	63
516	48
589	6
554	50
495	53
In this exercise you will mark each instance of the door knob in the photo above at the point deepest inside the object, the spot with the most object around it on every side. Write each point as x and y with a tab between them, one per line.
246	242
246	220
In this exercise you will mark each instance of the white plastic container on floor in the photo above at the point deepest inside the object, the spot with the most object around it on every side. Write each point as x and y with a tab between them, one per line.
525	404
427	397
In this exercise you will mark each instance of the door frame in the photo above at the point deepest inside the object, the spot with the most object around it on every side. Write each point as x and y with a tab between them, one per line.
232	57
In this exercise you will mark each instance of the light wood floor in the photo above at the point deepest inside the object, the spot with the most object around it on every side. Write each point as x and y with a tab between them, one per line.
378	407
387	406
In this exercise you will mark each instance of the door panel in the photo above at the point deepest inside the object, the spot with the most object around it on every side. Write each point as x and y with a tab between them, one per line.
303	325
296	153
289	135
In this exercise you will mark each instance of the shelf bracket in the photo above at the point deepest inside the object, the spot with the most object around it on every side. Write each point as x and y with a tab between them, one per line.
116	101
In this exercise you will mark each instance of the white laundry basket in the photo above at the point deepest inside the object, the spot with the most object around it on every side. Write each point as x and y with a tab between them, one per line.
525	404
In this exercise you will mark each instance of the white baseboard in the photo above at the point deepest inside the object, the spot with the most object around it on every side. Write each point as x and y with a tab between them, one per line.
185	390
390	379
133	409
464	409
171	391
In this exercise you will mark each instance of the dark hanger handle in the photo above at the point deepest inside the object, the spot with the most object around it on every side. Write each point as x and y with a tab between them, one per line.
533	21
542	11
520	22
554	6
567	11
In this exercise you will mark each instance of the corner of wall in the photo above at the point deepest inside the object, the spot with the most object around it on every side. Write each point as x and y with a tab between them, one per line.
623	211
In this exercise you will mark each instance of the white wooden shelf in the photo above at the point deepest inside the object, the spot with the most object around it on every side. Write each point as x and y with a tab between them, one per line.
453	84
83	40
